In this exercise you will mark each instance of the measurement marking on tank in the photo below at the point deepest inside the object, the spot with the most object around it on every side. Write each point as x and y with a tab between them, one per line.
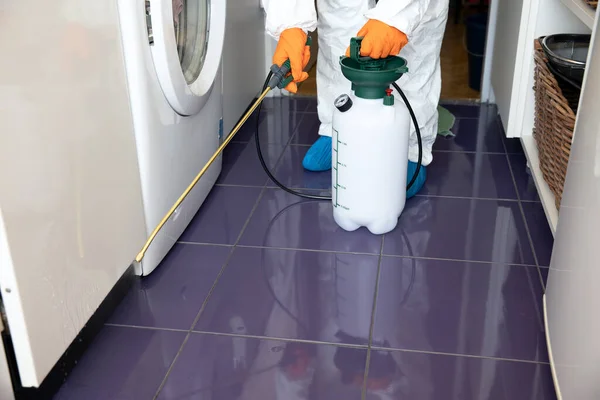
337	172
336	167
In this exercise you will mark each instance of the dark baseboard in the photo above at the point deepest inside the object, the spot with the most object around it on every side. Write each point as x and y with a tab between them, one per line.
71	356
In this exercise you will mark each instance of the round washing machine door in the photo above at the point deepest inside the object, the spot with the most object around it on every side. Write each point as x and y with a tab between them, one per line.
186	44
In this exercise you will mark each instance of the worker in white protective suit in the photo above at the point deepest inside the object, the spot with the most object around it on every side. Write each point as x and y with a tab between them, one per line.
414	26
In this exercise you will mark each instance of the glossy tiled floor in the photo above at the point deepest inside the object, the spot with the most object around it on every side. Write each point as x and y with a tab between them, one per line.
266	298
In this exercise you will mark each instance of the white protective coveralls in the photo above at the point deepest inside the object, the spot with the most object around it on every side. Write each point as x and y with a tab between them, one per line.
423	22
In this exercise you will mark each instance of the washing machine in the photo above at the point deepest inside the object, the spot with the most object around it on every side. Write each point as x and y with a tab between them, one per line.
173	51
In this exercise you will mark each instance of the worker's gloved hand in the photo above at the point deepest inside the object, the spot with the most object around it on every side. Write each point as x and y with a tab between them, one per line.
292	46
380	40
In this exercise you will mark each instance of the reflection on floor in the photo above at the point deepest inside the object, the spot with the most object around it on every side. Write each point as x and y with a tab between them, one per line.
454	63
265	298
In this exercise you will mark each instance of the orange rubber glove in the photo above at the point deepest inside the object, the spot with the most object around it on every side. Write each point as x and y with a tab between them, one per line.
292	46
380	40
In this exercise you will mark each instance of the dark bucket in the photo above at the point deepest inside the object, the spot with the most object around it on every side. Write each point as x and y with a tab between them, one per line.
475	42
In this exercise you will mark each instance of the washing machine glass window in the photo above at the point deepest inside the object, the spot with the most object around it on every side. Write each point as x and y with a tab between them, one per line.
185	55
191	23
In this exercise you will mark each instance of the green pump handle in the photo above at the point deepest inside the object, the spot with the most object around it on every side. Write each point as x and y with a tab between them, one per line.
368	62
355	44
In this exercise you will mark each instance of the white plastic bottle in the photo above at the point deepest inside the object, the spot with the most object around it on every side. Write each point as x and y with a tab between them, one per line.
369	162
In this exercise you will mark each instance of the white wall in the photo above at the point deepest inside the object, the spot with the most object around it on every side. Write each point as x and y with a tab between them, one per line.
71	216
572	298
270	45
244	71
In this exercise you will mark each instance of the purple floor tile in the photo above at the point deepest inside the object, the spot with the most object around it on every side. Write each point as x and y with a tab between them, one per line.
277	126
544	272
513	146
122	363
248	130
308	130
291	173
461	229
283	220
418	376
292	294
222	216
241	165
173	294
523	179
490	310
290	104
541	235
473	135
227	368
469	175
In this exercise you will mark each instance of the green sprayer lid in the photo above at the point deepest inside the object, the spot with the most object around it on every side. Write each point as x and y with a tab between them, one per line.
370	77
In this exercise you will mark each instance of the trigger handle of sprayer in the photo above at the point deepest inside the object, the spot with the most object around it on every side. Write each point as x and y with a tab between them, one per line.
284	70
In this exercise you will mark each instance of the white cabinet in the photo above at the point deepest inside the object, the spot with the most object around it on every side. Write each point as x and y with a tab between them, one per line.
244	69
519	24
71	216
505	74
572	298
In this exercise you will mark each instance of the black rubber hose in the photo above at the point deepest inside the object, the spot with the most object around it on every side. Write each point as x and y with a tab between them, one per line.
317	197
418	132
264	164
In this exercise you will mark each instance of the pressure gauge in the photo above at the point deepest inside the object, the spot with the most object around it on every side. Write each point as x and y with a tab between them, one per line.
343	103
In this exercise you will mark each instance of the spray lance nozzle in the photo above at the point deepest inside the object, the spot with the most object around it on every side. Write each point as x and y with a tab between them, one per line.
281	76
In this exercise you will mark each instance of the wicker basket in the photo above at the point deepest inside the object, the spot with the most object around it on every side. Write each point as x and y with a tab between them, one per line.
592	3
555	108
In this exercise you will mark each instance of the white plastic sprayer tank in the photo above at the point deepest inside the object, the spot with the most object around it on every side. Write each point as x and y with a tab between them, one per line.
370	145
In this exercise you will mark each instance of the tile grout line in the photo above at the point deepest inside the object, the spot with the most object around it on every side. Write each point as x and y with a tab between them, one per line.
308	190
361	254
295	133
529	238
497	153
282	339
204	243
247	336
275	167
363	395
439	353
205	302
148	328
334	344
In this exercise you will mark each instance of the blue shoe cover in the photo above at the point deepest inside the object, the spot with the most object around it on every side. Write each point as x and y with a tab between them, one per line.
419	182
318	157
